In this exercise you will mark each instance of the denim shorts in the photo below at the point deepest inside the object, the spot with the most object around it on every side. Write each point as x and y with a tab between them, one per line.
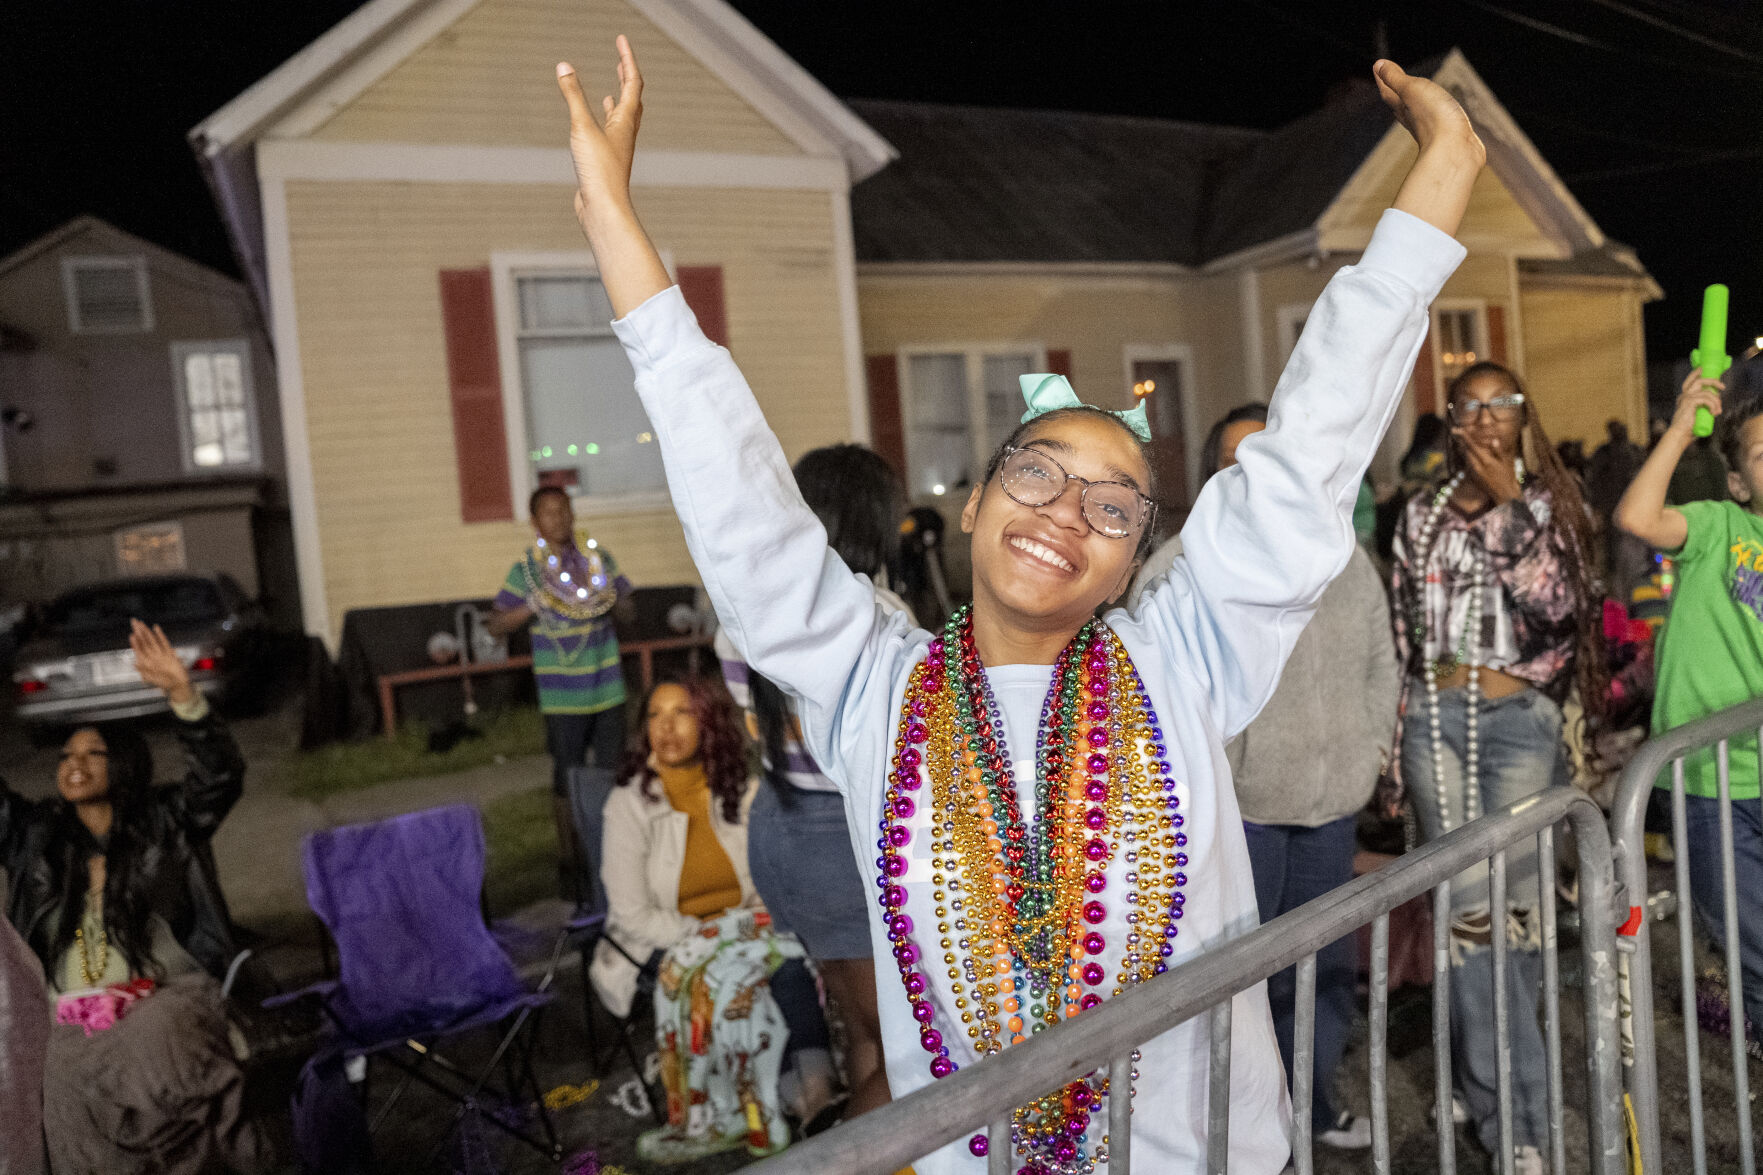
800	856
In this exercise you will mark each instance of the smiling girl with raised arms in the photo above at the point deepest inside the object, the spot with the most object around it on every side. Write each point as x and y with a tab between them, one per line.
1041	796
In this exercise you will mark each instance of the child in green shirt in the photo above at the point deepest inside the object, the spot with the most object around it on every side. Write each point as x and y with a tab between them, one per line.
1711	650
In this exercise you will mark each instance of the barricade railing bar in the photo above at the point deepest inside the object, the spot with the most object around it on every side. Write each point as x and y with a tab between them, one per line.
982	1096
1664	753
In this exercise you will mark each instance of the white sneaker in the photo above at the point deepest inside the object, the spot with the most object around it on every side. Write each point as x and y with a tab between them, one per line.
1528	1160
1459	1112
1347	1134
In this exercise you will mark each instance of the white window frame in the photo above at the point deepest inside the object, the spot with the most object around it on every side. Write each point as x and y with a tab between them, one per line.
70	267
975	355
182	349
1193	435
1290	319
1479	307
505	269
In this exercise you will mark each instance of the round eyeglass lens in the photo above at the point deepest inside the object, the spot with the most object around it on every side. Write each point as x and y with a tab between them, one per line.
1032	478
1113	509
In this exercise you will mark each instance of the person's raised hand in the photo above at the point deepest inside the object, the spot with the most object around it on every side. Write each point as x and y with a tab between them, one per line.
159	664
1427	110
1697	392
603	153
1494	473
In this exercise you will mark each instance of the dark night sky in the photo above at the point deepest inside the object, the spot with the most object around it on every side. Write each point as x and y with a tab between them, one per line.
1658	130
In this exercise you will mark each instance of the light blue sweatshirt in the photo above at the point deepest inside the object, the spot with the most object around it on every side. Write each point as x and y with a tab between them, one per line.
1263	540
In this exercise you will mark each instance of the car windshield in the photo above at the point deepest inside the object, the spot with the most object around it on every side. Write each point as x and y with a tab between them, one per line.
176	601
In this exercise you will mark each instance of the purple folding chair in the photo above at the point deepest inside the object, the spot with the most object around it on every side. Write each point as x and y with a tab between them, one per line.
417	963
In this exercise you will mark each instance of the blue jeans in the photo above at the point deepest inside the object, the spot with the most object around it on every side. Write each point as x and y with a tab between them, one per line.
1293	864
1521	753
1707	890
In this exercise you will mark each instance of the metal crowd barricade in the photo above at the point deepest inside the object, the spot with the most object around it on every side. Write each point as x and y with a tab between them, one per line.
981	1096
1666	753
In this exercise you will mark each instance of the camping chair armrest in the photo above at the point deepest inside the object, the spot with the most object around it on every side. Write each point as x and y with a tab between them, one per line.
322	991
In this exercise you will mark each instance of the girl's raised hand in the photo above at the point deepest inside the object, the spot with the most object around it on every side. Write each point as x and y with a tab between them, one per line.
1495	474
603	153
1427	110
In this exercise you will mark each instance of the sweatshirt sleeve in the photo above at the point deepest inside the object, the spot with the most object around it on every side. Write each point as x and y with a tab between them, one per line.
786	601
1267	535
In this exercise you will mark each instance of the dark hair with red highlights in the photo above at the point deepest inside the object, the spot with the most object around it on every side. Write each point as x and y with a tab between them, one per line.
721	745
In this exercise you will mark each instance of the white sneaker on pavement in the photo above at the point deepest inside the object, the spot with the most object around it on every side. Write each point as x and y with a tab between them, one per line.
1528	1160
1347	1134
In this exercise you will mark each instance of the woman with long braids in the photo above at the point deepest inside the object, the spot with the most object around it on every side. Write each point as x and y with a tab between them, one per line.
1498	620
1047	792
106	890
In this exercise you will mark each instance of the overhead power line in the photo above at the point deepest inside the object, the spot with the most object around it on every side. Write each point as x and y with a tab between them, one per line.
1565	34
1713	43
1616	173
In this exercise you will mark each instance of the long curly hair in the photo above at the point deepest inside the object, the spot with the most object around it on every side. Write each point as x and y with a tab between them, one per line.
721	746
1575	528
129	888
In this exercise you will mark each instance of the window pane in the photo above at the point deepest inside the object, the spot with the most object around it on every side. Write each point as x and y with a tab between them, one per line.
229	385
564	302
1004	395
199	380
235	436
581	395
108	297
939	391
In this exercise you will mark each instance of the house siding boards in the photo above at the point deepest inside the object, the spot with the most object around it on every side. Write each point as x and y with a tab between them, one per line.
366	259
1584	364
490	79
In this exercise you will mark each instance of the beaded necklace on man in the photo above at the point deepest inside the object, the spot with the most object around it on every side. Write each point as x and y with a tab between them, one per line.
1019	906
567	587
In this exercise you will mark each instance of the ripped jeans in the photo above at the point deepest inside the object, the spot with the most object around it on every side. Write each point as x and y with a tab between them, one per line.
1521	753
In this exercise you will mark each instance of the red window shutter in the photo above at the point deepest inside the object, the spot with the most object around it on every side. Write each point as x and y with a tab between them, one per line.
1497	333
887	434
1059	363
702	287
1426	383
480	440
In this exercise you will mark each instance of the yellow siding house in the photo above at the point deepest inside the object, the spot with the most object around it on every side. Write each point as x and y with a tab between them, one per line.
399	193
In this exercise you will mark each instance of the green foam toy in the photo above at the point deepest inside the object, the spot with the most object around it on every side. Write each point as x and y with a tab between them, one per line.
1711	354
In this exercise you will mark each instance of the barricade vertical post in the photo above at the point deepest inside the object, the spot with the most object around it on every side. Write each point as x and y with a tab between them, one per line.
998	1147
1218	1093
1120	1115
1303	1062
1551	996
1597	889
1441	1027
1686	948
1735	989
1379	1015
1498	922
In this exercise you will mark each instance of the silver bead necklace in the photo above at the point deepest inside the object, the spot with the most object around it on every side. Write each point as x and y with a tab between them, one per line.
1469	653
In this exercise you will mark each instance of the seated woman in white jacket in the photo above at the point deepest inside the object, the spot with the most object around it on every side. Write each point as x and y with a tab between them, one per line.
734	1003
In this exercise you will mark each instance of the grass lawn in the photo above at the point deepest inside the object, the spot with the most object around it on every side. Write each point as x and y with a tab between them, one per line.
343	767
522	850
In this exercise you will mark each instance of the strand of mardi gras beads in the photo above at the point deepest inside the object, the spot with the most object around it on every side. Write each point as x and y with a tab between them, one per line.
1022	901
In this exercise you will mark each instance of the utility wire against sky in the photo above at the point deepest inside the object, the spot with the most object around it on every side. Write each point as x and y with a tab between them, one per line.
1713	43
1613	173
1555	30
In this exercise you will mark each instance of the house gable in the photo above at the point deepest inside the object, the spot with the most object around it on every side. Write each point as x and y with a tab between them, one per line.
488	78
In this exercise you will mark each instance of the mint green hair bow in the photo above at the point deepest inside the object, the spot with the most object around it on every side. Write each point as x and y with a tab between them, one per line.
1049	393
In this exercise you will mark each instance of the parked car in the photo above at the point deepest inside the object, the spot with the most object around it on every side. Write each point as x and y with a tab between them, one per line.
76	666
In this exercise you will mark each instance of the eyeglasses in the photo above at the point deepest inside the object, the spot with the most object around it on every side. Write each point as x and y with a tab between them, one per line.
1112	509
1505	408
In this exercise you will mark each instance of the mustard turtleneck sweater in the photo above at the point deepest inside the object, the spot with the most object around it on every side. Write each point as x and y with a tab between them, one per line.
708	884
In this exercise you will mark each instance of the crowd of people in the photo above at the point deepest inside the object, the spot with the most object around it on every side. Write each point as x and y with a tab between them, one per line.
1107	762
